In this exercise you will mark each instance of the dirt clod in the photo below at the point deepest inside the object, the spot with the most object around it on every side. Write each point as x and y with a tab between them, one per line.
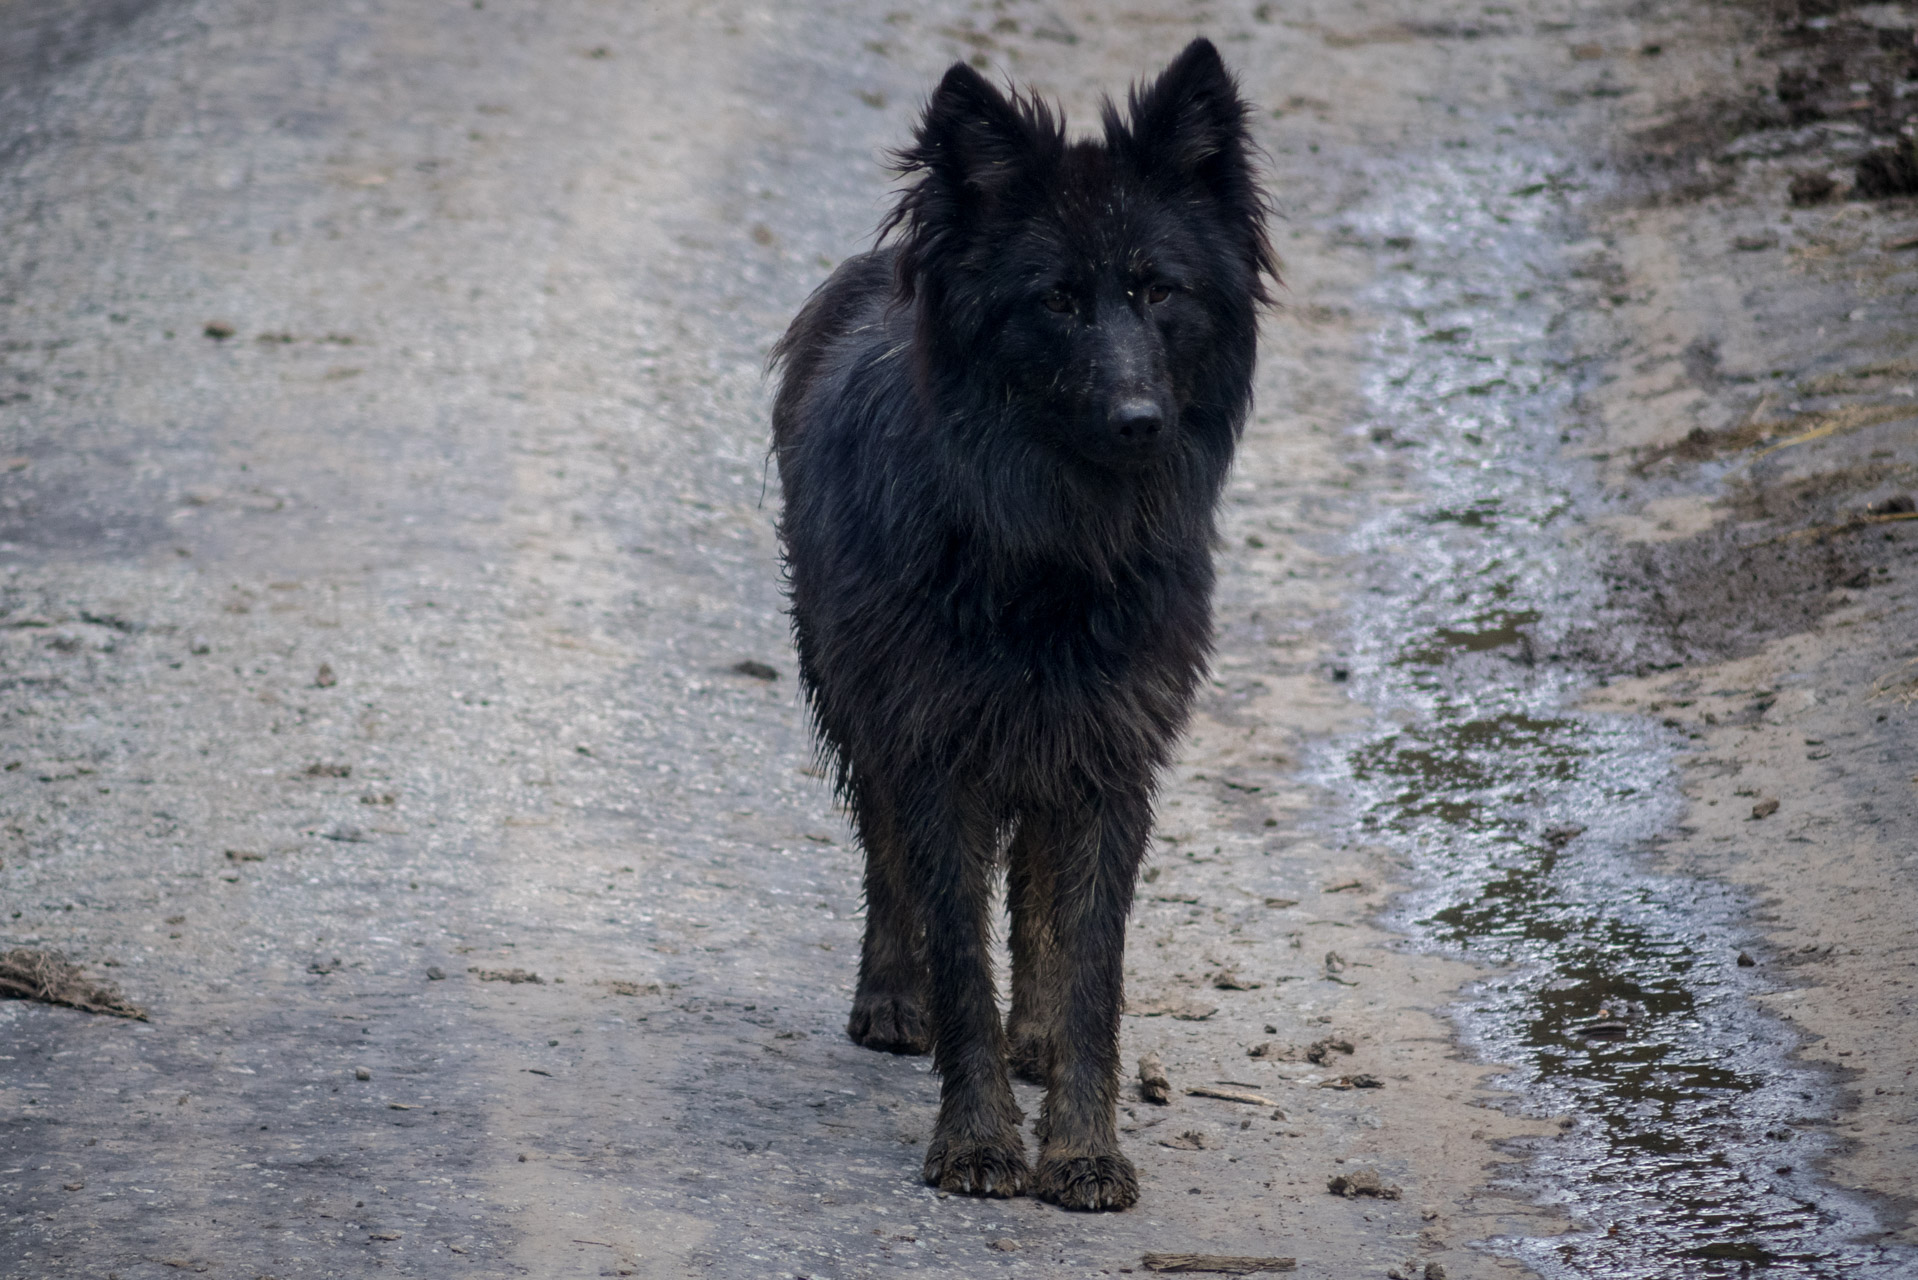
49	977
514	976
1888	171
1361	1182
1183	1010
1154	1086
1320	1050
1808	189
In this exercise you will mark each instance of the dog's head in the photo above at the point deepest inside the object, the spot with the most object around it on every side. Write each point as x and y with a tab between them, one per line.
1104	292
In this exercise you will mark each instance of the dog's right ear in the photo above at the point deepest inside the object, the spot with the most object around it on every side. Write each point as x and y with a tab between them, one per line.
974	146
973	140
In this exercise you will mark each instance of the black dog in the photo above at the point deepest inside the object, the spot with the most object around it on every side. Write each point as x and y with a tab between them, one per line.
1001	437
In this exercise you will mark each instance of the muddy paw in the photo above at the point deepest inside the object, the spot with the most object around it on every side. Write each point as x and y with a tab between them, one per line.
1087	1182
889	1023
978	1168
1029	1057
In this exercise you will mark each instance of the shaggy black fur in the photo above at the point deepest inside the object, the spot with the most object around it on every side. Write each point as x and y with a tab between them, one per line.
1001	437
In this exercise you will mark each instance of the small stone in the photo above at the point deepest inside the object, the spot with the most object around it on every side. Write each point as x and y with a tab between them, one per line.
757	670
199	644
1745	960
218	330
435	974
325	678
1435	1271
1765	808
1006	1245
361	1073
1754	243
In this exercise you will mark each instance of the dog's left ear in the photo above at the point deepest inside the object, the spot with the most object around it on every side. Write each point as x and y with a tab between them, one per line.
1188	129
1188	125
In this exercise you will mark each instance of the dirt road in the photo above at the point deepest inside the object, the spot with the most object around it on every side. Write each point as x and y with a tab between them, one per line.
385	523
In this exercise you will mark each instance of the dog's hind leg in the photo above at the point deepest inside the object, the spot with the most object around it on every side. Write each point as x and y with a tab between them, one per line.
1080	1165
889	1010
1029	885
976	1146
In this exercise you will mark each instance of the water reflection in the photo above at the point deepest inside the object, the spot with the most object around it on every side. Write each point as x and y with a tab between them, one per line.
1618	998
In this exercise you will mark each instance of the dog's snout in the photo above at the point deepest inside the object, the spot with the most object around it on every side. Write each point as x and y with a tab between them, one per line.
1137	421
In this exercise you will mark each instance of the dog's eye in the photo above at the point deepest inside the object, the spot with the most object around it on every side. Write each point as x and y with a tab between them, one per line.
1157	293
1057	302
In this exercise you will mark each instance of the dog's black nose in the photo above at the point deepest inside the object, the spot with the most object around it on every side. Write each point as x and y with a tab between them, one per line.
1137	421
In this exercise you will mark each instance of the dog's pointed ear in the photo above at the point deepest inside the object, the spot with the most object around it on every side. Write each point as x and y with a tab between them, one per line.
972	144
972	138
1188	129
973	148
1189	124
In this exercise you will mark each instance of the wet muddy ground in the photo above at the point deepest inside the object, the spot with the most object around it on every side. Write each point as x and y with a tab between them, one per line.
397	707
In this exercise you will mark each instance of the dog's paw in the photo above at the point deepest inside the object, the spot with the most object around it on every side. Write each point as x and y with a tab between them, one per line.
890	1023
1092	1183
1030	1057
978	1168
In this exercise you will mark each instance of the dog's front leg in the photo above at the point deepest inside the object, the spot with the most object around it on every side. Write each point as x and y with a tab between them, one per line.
976	1147
1032	864
889	1010
1080	1166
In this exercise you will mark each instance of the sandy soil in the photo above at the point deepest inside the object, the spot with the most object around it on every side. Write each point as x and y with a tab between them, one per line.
1759	431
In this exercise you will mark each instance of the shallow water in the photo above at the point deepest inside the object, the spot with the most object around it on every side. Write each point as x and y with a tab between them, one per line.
1688	1131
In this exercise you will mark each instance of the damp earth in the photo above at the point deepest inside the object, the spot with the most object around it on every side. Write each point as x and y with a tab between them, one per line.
396	707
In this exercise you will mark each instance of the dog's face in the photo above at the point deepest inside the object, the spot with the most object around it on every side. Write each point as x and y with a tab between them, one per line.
1099	282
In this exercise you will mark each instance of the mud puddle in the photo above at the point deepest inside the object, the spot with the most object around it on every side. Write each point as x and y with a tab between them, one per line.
1688	1133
